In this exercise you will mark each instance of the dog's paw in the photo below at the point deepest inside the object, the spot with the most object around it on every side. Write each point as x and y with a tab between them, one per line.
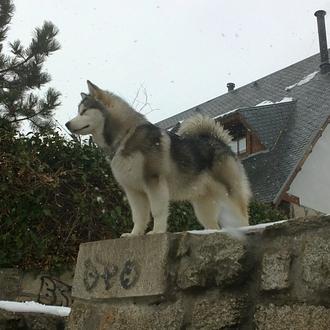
152	232
127	235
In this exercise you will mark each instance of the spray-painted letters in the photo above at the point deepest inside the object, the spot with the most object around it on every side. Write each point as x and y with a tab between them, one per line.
127	275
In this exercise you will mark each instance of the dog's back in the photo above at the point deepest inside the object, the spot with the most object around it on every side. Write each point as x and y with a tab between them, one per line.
208	171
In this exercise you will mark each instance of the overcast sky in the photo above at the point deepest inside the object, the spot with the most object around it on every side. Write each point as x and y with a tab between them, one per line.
181	52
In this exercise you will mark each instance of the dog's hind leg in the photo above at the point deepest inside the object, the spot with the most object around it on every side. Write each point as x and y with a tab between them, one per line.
207	212
236	212
158	195
139	204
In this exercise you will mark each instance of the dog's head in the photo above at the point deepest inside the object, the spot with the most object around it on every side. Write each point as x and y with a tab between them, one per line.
91	110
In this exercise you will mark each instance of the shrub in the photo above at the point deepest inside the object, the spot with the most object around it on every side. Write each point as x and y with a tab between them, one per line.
55	194
261	212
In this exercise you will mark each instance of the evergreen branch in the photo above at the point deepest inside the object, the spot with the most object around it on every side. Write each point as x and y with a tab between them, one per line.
28	117
12	68
21	71
6	12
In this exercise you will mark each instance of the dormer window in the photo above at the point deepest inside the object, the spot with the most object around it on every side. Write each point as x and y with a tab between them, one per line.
238	145
245	142
238	131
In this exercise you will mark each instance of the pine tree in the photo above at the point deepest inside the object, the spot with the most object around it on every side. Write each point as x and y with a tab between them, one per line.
22	75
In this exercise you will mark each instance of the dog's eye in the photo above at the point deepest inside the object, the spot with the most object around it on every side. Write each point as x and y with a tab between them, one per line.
83	111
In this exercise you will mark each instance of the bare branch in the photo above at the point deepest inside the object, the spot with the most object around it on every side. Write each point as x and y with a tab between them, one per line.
137	95
145	104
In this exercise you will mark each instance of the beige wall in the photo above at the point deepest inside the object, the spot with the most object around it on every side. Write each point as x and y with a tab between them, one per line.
312	183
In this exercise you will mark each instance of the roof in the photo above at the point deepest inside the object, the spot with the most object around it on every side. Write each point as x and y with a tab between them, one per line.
268	121
286	129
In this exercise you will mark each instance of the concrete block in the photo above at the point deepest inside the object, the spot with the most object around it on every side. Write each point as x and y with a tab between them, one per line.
315	262
211	260
122	316
125	267
296	317
213	312
275	270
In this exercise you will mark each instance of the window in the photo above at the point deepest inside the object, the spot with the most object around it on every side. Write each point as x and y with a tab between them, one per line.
239	145
242	145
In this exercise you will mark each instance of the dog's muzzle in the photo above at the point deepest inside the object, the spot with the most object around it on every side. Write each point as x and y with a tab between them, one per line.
68	125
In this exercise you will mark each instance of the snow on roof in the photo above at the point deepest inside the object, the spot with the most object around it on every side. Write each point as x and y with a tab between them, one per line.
303	81
286	99
266	102
33	307
226	114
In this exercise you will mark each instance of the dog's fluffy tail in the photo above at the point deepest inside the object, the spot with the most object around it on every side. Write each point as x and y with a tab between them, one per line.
203	125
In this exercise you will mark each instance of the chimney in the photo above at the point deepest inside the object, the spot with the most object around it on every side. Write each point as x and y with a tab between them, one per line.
325	65
230	86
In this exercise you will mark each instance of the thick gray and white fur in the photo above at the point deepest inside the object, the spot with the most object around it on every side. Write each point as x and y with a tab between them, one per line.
154	166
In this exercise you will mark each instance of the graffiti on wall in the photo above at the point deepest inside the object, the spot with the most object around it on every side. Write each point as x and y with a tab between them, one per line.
54	292
126	276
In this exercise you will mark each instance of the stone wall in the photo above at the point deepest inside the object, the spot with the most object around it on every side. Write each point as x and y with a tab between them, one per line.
30	321
42	287
278	278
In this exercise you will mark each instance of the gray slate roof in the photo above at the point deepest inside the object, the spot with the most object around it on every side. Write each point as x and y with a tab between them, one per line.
286	129
269	122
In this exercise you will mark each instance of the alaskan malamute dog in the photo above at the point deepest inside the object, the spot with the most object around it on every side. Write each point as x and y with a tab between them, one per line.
154	166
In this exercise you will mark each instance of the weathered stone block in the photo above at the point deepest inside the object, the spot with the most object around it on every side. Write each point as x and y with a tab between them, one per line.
10	281
275	270
208	260
31	321
214	312
296	317
125	267
315	263
122	316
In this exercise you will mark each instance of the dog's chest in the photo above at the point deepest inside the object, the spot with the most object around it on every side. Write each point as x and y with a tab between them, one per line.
128	170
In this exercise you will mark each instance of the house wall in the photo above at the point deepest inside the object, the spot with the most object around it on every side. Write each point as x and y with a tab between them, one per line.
312	183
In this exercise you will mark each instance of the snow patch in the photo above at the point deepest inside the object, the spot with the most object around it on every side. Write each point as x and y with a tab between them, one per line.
285	99
225	114
303	81
245	229
33	307
266	102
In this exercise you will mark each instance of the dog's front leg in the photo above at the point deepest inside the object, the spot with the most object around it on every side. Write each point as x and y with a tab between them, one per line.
158	195
139	205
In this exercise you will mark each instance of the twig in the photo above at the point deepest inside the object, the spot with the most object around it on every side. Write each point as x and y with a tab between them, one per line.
145	103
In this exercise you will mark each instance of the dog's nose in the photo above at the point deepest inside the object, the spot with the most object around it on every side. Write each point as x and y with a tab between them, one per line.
68	125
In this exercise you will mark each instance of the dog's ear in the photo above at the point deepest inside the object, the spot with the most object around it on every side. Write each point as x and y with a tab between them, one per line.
83	95
99	94
93	89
